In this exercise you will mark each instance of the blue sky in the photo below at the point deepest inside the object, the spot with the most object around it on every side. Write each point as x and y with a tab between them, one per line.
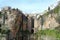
28	6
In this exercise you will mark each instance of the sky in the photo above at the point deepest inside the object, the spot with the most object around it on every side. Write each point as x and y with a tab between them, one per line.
28	6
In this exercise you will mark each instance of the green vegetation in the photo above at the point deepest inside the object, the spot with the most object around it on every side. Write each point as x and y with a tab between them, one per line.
58	19
5	31
26	31
0	15
56	10
47	32
46	14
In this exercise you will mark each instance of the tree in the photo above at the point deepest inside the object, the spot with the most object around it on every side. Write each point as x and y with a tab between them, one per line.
48	8
50	11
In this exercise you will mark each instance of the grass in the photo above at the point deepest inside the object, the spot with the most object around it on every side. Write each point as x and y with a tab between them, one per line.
49	33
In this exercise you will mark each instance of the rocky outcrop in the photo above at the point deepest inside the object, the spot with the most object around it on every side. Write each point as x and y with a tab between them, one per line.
14	20
48	19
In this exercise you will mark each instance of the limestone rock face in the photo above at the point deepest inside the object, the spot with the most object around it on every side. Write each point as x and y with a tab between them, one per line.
11	20
50	23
